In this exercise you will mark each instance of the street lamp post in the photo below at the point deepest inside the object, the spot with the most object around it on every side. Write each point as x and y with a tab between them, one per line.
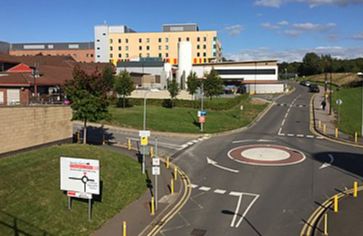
360	74
201	103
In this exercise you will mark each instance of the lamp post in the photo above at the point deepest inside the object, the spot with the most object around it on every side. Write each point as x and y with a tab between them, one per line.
330	95
360	74
201	103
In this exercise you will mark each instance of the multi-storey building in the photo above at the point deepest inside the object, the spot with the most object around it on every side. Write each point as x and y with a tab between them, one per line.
120	43
79	51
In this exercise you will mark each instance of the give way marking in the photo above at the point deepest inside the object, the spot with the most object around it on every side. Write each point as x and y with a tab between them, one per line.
236	212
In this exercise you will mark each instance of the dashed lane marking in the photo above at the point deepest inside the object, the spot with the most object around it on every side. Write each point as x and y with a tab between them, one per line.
300	135
220	191
204	188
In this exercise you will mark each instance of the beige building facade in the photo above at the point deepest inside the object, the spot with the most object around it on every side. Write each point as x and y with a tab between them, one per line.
123	44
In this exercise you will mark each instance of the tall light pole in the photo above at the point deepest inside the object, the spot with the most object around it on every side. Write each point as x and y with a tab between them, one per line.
201	103
360	74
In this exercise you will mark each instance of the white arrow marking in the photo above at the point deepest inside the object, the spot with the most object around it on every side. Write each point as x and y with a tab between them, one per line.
324	165
214	163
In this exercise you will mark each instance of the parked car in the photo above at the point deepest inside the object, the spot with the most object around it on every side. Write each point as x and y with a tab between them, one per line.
305	83
314	88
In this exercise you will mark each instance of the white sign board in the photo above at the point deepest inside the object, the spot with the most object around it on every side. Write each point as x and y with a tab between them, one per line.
144	133
80	175
79	195
155	170
156	161
339	101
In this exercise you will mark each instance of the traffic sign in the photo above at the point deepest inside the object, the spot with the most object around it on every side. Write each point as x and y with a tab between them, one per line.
202	119
339	101
144	150
144	140
156	161
155	170
144	133
202	113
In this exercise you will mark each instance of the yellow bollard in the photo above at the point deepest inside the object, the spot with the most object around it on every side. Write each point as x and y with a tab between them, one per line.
324	128
167	162
152	206
355	137
151	151
175	173
355	189
336	203
319	124
172	186
336	133
326	224
124	229
129	144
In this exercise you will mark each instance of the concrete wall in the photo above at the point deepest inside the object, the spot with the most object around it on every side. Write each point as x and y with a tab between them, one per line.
24	127
265	88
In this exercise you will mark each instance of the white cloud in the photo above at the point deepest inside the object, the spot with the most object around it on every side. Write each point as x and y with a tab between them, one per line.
293	54
293	33
358	36
284	22
270	26
308	26
311	3
234	30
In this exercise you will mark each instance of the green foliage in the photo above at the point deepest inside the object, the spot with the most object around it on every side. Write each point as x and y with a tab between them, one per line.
173	88
108	77
193	83
213	85
124	85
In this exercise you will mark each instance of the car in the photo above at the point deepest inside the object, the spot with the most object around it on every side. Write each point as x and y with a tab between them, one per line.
314	88
305	83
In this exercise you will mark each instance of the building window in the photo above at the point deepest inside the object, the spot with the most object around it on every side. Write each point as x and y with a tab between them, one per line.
148	40
126	48
204	46
119	55
147	54
104	34
127	55
111	48
159	47
187	38
127	40
198	46
98	48
111	55
214	38
179	39
119	40
160	55
204	54
140	55
214	46
166	40
140	48
140	40
119	48
98	40
111	41
198	39
214	54
166	55
159	40
98	56
147	47
205	39
87	55
166	47
91	55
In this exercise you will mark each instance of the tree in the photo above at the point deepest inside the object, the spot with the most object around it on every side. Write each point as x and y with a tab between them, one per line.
124	85
192	83
213	85
88	94
107	74
311	64
173	88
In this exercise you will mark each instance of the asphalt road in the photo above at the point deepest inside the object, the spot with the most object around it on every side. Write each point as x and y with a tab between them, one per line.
232	198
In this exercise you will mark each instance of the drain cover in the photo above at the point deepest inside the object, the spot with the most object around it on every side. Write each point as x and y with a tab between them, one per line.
198	232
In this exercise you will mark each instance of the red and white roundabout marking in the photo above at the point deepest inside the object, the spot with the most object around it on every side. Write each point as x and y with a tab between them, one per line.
266	155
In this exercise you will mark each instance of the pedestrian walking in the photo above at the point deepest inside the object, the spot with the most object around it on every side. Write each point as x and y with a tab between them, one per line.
323	104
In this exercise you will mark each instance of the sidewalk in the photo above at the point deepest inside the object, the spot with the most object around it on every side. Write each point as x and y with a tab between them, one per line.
137	215
326	124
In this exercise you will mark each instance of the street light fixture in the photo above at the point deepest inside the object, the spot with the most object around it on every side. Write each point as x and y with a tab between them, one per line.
360	74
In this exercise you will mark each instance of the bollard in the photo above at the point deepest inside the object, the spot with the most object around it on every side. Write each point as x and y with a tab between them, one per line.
172	186
129	144
78	137
151	151
167	162
324	128
152	206
124	229
103	139
326	224
175	173
319	124
355	189
336	203
355	137
336	133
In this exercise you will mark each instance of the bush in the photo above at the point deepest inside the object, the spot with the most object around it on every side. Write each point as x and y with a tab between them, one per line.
128	103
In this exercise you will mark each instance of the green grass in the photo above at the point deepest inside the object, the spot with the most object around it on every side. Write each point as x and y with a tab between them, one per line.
185	120
350	110
32	200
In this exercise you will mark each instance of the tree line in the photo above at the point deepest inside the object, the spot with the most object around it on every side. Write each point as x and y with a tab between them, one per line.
313	64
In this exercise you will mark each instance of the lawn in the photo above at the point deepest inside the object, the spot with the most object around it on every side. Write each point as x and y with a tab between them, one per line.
185	120
33	204
350	110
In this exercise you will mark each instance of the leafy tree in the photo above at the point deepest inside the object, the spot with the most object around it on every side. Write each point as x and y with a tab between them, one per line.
213	85
88	94
173	88
192	83
107	74
311	64
124	85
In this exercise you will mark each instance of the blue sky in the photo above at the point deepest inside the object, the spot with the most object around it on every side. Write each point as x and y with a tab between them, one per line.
248	29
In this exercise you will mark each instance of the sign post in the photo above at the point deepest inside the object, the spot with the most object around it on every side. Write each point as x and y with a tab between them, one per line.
80	178
339	102
144	141
156	172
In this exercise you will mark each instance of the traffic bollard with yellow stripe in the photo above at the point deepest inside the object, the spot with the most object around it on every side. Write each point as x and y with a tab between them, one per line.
336	133
129	144
356	137
355	189
324	128
151	151
326	224
124	228
152	206
175	173
319	124
172	186
167	162
335	200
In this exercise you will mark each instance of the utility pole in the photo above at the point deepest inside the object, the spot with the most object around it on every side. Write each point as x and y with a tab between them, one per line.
330	95
201	105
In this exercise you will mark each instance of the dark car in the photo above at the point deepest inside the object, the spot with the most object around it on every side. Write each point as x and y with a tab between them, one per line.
314	88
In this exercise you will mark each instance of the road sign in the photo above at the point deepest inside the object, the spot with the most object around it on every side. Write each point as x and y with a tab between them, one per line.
144	150
155	170
79	195
80	175
202	113
144	133
156	161
339	101
202	119
144	140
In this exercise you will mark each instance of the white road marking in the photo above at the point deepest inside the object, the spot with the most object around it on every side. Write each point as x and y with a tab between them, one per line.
204	188
252	140
190	143
291	135
319	137
280	130
309	136
235	194
246	211
300	135
214	163
283	122
193	186
237	208
282	134
220	191
324	165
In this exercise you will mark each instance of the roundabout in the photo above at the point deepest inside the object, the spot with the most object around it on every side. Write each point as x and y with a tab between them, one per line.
266	155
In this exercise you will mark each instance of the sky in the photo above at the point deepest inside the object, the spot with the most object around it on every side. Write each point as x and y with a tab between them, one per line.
248	29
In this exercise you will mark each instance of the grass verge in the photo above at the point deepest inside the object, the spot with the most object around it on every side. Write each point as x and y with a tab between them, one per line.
185	120
33	204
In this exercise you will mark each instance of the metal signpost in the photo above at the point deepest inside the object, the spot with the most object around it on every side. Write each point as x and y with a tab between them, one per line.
339	102
144	141
156	171
80	178
202	115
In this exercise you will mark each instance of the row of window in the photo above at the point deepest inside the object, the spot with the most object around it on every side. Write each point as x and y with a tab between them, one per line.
160	40
160	55
148	47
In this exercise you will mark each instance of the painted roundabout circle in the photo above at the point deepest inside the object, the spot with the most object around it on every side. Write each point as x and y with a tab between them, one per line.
266	155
